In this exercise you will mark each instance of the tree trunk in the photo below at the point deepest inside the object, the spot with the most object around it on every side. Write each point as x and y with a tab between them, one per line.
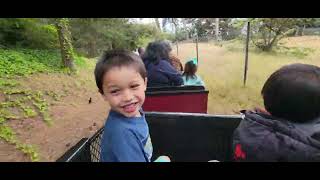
302	31
92	49
299	31
157	23
268	47
175	26
65	43
217	28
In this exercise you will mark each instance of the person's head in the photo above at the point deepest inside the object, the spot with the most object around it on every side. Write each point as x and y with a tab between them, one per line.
156	51
121	78
293	93
167	45
190	69
141	51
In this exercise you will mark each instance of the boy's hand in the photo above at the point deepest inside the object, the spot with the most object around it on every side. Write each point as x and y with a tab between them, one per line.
163	159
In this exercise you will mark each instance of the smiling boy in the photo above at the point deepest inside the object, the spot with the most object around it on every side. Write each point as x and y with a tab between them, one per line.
121	79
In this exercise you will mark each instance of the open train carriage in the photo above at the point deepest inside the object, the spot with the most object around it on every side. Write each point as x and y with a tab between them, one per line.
184	137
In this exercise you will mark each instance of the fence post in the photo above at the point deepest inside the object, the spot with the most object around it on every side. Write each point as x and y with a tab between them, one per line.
246	55
197	50
177	48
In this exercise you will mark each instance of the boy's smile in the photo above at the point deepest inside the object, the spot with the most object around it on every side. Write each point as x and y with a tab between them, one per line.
124	89
131	107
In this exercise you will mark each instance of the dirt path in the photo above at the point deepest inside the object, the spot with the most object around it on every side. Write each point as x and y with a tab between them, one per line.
71	123
72	116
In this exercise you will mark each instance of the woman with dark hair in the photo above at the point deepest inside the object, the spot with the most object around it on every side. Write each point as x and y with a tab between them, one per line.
174	60
160	71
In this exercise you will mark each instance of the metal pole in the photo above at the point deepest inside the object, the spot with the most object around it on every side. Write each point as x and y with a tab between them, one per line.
177	49
197	49
246	57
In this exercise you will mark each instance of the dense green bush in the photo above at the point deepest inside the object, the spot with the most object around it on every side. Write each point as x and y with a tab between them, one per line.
28	33
23	62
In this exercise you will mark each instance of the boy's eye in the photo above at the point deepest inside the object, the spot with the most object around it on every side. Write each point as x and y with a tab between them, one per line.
114	91
135	86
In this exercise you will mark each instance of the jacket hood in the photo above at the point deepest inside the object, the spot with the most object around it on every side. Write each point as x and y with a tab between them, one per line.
262	137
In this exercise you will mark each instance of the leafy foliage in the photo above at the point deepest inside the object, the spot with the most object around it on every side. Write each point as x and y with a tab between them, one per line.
267	32
28	32
24	62
92	36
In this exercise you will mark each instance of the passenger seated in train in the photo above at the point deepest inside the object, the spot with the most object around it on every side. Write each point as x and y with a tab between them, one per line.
159	70
189	75
289	127
174	60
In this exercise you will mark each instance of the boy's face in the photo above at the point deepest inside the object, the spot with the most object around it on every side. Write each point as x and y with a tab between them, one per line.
124	89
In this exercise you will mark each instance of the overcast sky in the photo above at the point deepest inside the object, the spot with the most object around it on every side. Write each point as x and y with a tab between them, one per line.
151	21
146	20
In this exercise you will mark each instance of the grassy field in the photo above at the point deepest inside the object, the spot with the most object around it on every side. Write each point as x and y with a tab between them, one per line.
222	69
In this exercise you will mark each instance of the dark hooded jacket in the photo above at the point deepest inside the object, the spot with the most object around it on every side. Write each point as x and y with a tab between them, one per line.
162	74
262	137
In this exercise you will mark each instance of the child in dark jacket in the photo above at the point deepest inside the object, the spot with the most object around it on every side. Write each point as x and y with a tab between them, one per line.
289	127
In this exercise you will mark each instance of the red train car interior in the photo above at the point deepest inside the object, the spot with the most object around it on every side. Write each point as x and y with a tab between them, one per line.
192	99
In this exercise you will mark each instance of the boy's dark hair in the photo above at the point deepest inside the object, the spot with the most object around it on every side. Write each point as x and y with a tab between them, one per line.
293	93
117	58
190	70
156	51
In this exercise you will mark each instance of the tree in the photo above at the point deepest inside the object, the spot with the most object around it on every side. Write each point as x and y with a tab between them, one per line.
266	32
157	23
217	28
172	21
198	27
87	34
205	28
37	33
302	23
66	48
186	29
92	36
